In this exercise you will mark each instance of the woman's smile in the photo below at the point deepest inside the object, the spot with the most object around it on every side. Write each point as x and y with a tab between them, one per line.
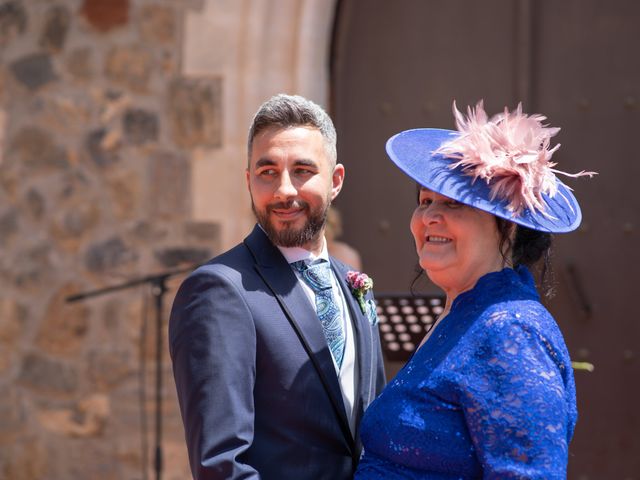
437	239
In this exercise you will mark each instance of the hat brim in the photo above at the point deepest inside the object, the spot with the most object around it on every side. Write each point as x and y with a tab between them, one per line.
412	151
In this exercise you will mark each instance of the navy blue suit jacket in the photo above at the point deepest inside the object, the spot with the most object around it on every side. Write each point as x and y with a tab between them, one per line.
258	391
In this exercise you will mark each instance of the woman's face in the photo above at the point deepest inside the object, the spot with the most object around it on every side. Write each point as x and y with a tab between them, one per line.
456	244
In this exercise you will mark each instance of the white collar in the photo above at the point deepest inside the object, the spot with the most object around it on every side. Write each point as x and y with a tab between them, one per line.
295	254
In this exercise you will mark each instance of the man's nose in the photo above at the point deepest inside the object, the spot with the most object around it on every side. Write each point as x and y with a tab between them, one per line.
286	188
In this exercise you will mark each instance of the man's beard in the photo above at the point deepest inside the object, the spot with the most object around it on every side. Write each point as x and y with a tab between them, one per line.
288	236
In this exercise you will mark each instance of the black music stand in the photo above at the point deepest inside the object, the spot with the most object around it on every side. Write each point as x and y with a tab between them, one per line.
159	288
404	320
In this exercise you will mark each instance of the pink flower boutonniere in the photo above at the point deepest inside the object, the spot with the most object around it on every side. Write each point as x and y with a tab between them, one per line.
360	284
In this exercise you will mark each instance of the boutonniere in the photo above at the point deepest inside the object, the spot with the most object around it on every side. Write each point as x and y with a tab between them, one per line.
360	284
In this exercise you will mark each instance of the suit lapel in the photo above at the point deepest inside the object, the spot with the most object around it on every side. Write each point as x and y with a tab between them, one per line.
280	279
364	345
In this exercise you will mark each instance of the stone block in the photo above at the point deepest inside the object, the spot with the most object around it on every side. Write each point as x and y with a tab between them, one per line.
10	181
124	193
140	126
8	225
12	412
56	27
27	459
101	147
4	119
129	455
13	21
113	102
32	266
66	114
135	319
7	359
13	323
80	219
208	232
73	187
176	459
110	366
13	316
109	254
111	318
174	256
105	15
86	419
34	203
195	112
71	226
63	329
170	185
129	66
79	63
35	150
158	24
147	232
34	71
48	375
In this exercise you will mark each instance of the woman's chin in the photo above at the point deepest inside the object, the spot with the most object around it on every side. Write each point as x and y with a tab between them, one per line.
432	265
436	273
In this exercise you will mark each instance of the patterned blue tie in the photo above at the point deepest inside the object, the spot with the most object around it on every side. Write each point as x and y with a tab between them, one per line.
318	276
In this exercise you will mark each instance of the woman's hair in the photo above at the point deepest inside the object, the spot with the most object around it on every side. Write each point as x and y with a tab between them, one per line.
528	247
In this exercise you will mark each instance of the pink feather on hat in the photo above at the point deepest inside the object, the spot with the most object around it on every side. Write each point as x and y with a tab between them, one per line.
510	152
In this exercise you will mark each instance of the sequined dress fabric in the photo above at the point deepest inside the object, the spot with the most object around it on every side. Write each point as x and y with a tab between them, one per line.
489	395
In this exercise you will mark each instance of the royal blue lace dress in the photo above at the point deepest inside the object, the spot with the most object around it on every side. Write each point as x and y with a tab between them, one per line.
489	395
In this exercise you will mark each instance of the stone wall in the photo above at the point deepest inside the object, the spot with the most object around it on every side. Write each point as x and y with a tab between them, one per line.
122	150
98	127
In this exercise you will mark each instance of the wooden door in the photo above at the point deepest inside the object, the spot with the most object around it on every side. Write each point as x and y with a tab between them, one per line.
399	65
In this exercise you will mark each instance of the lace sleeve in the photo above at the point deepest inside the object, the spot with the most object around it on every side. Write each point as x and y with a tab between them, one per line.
515	397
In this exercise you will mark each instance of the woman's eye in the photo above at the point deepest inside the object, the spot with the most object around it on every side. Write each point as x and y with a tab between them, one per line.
426	201
453	204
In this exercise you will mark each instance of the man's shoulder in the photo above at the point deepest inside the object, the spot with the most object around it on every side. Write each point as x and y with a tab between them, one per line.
243	256
226	271
237	259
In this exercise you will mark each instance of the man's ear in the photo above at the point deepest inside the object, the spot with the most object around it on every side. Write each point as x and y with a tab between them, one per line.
337	179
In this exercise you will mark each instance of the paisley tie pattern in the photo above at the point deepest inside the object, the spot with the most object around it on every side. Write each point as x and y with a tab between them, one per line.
318	276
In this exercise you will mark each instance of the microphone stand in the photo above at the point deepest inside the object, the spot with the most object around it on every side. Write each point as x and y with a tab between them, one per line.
159	288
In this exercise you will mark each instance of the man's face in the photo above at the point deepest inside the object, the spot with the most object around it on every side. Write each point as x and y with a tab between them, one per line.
292	182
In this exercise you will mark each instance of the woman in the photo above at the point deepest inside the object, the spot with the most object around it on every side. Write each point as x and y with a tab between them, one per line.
490	391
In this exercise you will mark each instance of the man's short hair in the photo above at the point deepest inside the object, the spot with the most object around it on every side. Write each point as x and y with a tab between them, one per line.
286	111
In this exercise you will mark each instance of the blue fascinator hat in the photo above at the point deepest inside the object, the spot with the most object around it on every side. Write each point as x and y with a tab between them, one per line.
500	165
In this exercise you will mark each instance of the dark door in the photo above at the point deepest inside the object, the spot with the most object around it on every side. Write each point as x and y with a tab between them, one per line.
399	65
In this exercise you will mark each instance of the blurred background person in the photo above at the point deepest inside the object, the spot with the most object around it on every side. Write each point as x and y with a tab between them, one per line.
337	248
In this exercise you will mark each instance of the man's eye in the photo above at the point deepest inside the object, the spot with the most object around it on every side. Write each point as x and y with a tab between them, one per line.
267	172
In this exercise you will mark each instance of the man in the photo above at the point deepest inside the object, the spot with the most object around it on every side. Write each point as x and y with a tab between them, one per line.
274	358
